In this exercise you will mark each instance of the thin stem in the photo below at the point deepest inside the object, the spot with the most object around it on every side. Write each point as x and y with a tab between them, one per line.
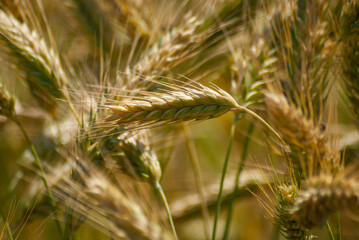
236	184
198	180
7	227
66	95
224	170
68	220
8	230
39	165
331	235
339	235
159	189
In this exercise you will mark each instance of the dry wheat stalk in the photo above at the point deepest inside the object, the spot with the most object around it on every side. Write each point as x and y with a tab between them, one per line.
111	205
42	68
323	195
175	105
190	204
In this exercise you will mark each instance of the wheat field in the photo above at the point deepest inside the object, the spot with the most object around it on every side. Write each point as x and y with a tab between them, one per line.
179	119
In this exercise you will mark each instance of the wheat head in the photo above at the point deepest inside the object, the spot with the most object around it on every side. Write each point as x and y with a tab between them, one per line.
176	105
323	195
41	64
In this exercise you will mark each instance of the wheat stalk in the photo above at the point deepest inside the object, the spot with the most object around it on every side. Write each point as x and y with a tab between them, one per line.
190	205
7	109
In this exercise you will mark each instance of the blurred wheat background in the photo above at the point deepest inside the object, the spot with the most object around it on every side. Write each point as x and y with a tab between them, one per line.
179	119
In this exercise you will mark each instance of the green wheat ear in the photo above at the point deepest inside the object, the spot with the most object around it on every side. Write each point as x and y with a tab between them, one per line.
289	226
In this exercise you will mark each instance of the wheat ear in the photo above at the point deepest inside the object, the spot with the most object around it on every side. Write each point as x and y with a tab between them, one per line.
323	195
298	130
111	205
173	49
41	65
180	104
136	148
289	226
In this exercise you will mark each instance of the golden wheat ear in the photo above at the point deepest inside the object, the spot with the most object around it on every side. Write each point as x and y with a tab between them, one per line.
136	149
117	205
300	133
40	64
324	195
184	104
